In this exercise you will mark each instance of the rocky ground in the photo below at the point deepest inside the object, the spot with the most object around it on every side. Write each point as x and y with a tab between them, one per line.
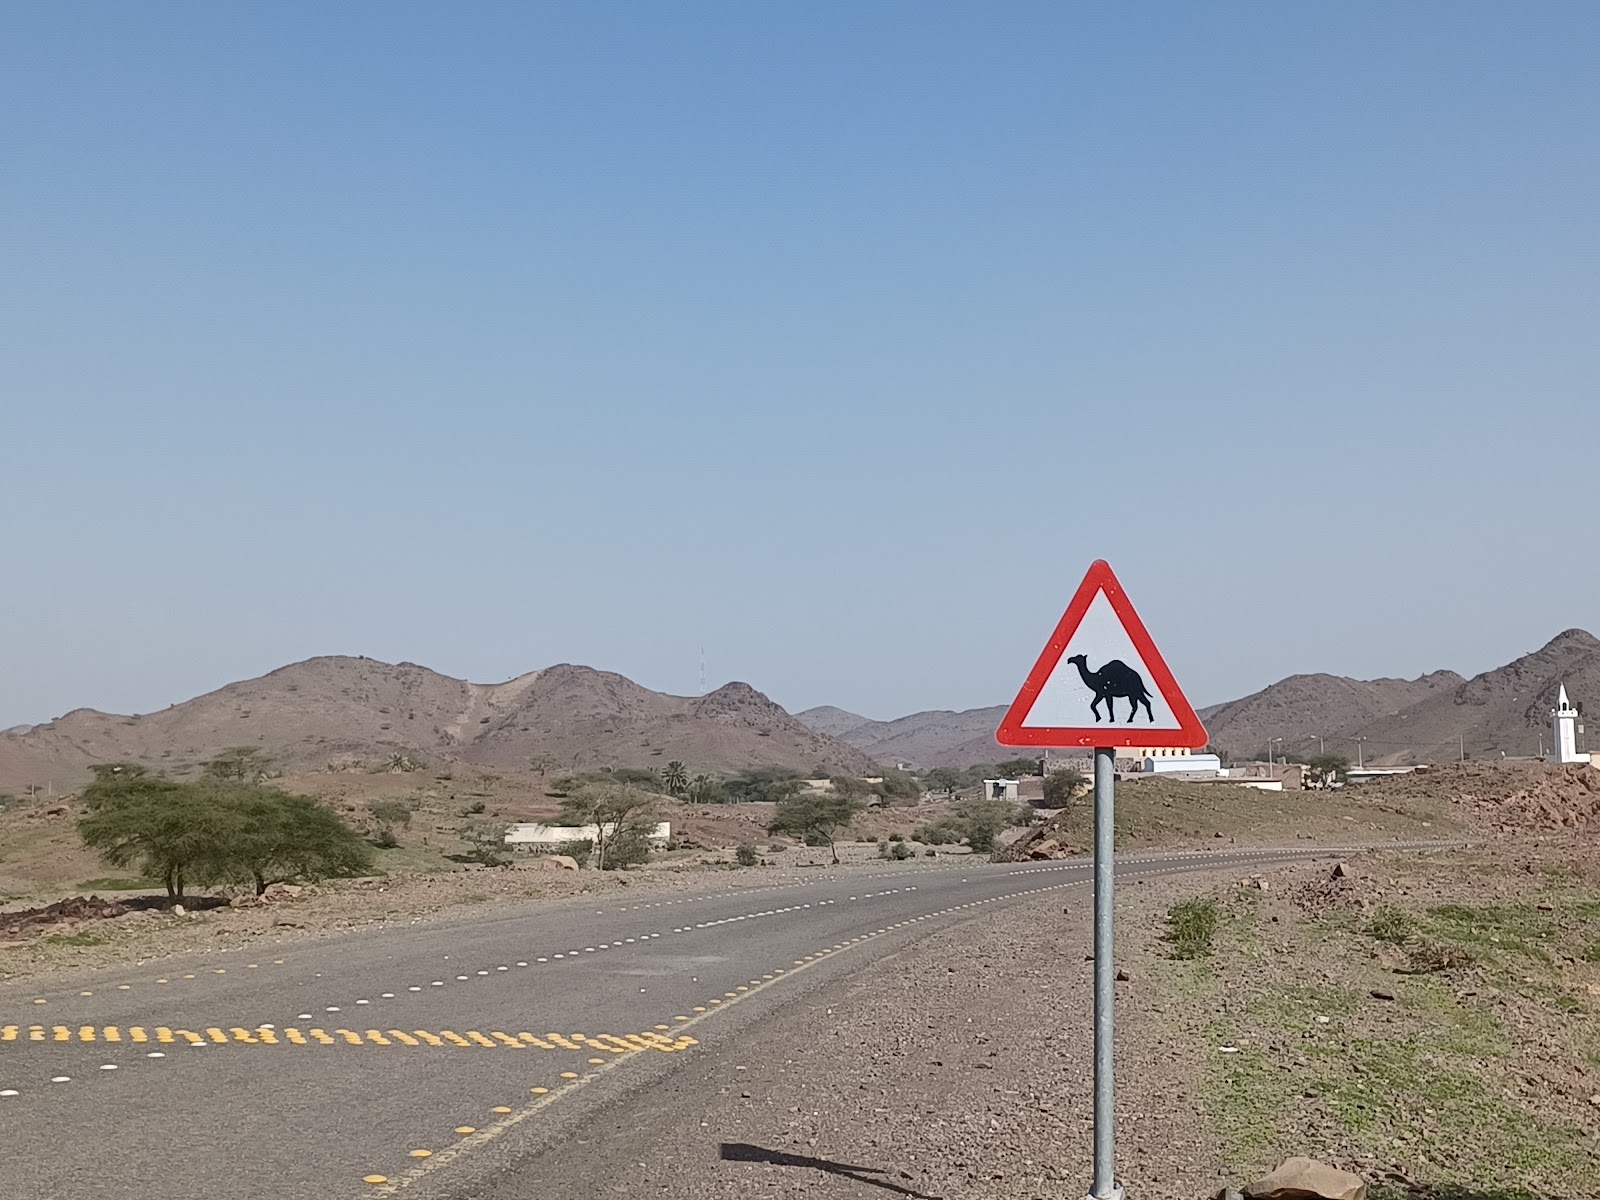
1426	1021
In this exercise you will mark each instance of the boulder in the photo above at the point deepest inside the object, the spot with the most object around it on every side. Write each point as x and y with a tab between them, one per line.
564	861
1341	870
1307	1179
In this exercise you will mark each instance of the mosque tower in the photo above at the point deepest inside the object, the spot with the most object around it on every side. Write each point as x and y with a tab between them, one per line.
1565	716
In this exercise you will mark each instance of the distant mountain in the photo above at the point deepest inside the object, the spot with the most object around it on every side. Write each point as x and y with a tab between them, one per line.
1302	707
1428	719
1431	719
924	739
338	711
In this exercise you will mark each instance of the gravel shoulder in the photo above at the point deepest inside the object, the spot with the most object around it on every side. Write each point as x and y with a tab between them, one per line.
959	1067
1320	1023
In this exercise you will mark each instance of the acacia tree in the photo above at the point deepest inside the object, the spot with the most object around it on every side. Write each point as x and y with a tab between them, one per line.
275	837
816	816
162	826
214	831
623	817
1060	786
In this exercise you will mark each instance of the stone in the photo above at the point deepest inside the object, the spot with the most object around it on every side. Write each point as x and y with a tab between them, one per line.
1341	870
179	911
564	861
1307	1179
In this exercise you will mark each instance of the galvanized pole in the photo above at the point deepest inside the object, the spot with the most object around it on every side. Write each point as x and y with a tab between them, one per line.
1105	974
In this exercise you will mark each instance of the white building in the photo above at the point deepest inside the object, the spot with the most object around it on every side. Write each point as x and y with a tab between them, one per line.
534	835
1565	729
1000	789
1174	763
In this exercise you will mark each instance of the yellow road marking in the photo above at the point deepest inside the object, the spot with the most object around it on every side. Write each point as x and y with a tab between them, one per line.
239	1035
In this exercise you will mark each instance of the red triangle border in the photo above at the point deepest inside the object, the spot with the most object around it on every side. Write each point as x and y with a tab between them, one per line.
1191	733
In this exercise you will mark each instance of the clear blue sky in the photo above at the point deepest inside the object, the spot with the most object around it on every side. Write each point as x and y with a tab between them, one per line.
835	337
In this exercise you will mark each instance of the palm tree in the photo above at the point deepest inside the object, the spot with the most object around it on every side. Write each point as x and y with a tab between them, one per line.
675	779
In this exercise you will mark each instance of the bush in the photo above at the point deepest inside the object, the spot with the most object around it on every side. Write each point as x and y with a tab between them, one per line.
871	837
1191	926
476	807
745	856
628	847
931	852
941	833
1061	786
385	839
1392	925
767	785
486	843
390	812
896	837
579	850
900	851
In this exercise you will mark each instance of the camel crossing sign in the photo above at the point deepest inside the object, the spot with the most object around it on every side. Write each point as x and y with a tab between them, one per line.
1100	681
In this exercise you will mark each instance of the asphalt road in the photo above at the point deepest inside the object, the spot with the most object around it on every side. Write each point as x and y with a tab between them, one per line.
435	1059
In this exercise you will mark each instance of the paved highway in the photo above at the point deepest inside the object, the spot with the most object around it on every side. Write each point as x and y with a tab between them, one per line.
423	1060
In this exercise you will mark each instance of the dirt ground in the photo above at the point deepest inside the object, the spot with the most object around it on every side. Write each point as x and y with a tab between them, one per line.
960	1068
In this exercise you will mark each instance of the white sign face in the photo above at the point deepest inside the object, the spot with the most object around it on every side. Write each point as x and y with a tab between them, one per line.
1112	680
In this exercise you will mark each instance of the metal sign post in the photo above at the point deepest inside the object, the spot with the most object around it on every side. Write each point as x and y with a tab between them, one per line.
1100	682
1105	1186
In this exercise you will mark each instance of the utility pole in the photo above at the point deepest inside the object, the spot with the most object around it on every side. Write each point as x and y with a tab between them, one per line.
1462	742
1359	763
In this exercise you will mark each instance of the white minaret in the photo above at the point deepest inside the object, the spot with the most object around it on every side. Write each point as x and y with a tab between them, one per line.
1565	733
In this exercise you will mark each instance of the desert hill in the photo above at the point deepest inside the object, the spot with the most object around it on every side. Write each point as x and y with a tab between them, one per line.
339	712
926	739
1301	707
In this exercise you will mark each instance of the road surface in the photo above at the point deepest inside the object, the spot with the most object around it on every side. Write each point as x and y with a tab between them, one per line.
433	1059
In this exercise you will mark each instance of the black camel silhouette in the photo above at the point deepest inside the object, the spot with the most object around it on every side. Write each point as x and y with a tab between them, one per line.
1114	679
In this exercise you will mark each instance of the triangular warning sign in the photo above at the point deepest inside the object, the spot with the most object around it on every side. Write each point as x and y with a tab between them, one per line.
1100	681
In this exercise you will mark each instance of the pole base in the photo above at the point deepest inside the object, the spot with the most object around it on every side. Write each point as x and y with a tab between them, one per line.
1114	1194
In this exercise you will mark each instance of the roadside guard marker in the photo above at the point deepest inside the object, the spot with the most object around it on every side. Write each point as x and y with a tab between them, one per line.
1100	654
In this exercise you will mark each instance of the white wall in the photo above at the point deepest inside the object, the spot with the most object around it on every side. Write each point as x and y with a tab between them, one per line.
534	833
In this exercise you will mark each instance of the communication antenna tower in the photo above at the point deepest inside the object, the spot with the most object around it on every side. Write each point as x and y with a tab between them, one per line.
702	670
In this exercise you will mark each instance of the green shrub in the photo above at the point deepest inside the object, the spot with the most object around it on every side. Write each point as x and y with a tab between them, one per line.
931	852
579	850
896	837
385	839
1392	925
476	807
1191	926
390	812
628	847
486	843
900	851
745	856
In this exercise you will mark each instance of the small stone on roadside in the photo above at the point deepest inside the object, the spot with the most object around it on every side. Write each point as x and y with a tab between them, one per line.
1307	1179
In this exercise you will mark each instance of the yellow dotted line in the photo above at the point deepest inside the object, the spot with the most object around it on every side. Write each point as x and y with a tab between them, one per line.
268	1035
